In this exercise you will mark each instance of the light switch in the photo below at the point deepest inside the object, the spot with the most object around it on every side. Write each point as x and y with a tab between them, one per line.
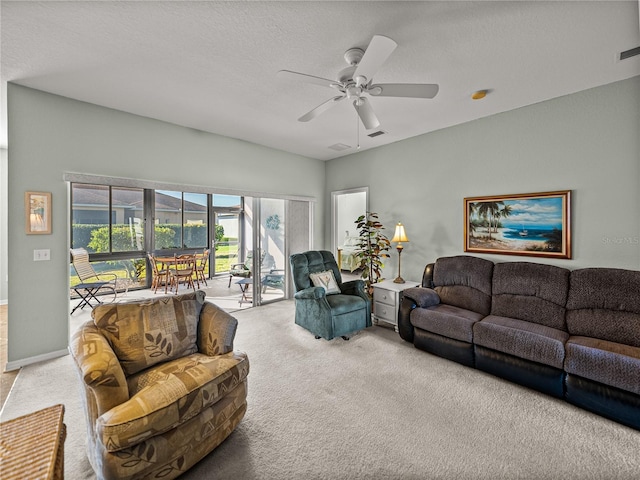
41	255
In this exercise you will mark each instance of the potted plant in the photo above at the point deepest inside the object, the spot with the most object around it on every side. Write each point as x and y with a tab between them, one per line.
372	248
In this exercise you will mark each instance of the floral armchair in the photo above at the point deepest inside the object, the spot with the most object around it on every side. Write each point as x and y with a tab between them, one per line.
162	384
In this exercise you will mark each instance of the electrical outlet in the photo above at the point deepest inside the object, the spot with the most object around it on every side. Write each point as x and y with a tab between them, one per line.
41	255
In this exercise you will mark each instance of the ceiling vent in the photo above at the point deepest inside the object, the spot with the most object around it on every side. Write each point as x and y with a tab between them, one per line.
338	147
629	53
376	134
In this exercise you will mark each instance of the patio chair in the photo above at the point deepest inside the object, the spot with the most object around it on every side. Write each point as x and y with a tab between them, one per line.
182	271
160	274
273	279
243	270
201	267
91	283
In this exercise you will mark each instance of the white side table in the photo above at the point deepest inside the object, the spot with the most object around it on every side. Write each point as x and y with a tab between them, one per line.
386	300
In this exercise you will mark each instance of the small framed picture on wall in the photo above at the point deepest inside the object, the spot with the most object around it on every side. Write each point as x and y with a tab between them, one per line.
37	207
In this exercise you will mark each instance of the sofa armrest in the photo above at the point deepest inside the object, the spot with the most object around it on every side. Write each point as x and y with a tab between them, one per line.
216	330
99	368
413	298
405	328
423	297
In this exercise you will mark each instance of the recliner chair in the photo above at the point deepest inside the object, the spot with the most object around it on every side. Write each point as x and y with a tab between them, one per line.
334	310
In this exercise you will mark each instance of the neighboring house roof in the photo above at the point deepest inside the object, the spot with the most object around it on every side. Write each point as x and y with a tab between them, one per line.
92	195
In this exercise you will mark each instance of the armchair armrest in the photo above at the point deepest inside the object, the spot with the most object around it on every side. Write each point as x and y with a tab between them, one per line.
354	287
216	330
357	287
238	266
106	276
99	367
311	293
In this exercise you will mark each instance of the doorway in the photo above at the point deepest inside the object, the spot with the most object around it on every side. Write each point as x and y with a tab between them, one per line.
346	207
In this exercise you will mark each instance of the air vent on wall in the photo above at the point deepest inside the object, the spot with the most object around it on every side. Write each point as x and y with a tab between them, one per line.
376	134
338	147
629	53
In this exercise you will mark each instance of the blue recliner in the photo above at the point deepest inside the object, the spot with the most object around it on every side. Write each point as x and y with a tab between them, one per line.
318	309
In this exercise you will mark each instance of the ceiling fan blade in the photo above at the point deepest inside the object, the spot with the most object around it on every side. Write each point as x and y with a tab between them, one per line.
323	107
379	49
325	82
365	112
413	90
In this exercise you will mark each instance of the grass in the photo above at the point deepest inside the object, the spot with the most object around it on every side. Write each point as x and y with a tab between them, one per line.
225	256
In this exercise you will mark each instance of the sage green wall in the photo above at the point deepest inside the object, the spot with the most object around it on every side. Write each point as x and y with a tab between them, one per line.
50	135
3	221
587	142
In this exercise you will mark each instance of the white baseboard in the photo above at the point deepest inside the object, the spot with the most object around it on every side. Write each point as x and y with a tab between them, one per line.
16	364
4	302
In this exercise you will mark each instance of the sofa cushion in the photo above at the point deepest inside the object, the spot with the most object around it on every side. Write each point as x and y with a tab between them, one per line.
604	303
446	320
147	332
464	282
167	395
606	362
530	291
522	339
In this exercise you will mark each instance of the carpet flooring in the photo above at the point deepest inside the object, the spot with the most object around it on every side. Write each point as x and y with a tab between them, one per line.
373	407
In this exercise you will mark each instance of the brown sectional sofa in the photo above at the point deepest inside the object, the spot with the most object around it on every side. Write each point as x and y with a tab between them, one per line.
571	334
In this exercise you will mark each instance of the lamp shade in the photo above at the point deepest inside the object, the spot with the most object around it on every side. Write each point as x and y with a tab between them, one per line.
400	235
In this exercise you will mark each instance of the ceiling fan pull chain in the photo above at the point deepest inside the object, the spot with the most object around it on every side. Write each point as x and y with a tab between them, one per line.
358	127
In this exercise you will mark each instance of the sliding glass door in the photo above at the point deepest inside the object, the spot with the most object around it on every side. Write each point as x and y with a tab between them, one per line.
227	232
270	280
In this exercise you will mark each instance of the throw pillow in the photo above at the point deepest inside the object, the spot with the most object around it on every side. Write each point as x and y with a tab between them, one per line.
325	280
143	333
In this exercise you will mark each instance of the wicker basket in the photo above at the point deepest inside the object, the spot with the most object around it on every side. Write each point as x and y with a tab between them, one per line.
32	446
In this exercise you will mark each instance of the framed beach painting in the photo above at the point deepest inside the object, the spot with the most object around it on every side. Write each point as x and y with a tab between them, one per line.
533	224
37	207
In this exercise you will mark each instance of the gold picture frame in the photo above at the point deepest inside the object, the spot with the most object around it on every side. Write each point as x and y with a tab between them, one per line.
530	224
37	207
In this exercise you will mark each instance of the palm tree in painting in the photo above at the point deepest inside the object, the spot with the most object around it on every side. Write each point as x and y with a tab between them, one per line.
473	212
490	212
504	213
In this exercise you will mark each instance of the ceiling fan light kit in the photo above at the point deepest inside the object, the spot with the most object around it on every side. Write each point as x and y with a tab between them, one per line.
356	81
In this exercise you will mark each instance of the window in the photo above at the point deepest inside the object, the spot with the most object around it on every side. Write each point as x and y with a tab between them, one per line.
127	217
107	219
109	223
180	220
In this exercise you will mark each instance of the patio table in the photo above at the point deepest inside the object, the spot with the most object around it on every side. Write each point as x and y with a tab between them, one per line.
244	288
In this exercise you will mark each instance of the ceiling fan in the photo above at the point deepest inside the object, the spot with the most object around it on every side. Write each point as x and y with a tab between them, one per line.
357	80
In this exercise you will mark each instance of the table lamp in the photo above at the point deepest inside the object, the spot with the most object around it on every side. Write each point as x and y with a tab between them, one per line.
399	236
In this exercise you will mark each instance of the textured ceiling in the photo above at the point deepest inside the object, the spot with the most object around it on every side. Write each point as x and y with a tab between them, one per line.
212	65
